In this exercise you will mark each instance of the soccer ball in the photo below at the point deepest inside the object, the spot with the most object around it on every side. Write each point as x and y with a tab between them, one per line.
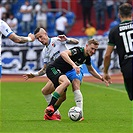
75	113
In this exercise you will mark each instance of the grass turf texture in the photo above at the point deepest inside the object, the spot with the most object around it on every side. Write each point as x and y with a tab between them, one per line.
106	110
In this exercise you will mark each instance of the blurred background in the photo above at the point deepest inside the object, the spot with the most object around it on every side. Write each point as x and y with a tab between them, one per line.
85	19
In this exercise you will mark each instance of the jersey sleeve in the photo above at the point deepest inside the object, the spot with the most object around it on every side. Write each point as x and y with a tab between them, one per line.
5	29
75	50
111	38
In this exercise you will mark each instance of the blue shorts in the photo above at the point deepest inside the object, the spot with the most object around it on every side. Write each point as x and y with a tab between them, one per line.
71	75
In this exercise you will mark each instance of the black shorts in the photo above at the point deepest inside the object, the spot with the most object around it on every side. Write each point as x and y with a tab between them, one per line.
127	72
53	74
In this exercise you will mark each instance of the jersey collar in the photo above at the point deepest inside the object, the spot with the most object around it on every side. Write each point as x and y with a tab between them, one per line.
126	21
49	41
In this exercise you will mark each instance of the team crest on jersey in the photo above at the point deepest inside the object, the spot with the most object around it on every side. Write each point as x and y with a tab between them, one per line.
53	44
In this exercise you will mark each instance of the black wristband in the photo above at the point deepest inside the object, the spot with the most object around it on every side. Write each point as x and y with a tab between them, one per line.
102	79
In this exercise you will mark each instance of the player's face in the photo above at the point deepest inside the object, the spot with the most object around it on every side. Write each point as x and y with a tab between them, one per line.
91	49
42	37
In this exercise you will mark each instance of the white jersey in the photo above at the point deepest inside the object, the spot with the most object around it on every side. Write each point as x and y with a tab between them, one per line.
6	31
52	51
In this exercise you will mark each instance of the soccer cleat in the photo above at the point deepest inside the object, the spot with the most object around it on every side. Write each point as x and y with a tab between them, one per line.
81	119
57	115
53	117
49	110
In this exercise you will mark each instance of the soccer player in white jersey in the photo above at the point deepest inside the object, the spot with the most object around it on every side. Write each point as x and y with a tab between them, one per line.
7	32
52	50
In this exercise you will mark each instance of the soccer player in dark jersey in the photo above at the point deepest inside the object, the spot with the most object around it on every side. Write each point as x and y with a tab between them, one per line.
68	60
121	36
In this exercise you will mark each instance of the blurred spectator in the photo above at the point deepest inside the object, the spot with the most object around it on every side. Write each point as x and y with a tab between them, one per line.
86	11
26	11
4	16
117	3
8	8
2	10
53	4
100	6
12	22
90	31
61	24
112	25
109	4
130	2
41	17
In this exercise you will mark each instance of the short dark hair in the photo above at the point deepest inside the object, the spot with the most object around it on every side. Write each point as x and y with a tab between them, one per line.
37	30
95	42
125	10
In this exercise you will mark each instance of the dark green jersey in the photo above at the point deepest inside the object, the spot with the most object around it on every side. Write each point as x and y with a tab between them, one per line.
78	57
121	36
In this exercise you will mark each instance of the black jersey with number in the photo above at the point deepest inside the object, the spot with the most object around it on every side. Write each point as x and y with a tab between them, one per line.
78	57
121	36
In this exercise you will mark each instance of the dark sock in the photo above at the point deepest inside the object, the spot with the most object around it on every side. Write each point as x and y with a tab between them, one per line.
55	97
56	107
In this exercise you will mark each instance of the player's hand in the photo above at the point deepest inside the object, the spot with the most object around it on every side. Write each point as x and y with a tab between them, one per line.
62	38
105	81
77	69
108	78
31	36
27	76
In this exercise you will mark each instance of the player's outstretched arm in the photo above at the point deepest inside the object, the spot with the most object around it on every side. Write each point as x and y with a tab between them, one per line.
27	76
107	59
68	40
97	75
21	39
39	73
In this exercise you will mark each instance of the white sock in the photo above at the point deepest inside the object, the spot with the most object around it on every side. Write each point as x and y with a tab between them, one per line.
48	99
78	99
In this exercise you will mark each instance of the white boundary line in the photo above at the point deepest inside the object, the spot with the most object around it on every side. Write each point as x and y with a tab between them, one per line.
107	88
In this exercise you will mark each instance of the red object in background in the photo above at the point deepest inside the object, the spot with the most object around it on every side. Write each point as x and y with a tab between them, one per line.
74	7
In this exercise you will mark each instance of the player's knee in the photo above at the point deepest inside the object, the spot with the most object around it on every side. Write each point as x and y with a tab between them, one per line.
66	83
43	91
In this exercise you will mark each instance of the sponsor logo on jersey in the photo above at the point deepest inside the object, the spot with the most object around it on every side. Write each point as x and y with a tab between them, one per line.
6	30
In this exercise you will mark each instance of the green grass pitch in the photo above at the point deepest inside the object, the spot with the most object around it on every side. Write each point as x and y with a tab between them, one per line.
106	110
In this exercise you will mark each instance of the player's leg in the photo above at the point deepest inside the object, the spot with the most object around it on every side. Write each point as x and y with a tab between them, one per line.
56	115
60	101
129	87
61	82
78	98
47	91
127	71
76	80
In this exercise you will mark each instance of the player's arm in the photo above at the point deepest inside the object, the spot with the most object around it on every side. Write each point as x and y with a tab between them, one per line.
39	73
6	31
96	74
72	41
20	39
107	59
66	56
68	40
